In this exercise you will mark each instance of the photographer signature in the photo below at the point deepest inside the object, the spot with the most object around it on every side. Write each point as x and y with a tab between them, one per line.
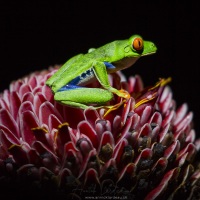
109	191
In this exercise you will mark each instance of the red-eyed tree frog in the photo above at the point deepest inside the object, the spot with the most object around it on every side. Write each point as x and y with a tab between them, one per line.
68	83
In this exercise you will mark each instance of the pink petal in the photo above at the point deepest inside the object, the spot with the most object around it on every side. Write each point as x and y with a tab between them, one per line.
26	106
181	160
24	89
87	161
165	94
54	122
71	160
45	110
40	134
131	84
32	82
117	122
139	110
46	91
163	133
37	89
125	129
184	123
34	157
145	154
190	148
7	120
28	97
168	118
119	150
7	137
49	159
91	177
145	115
155	133
100	127
160	166
62	136
107	138
169	176
19	155
136	84
106	174
195	176
156	119
135	121
38	100
72	116
70	146
128	171
71	149
186	174
179	136
15	86
145	131
129	105
14	104
28	121
172	149
3	104
84	145
6	98
74	134
165	105
85	128
63	177
180	113
191	136
91	115
197	144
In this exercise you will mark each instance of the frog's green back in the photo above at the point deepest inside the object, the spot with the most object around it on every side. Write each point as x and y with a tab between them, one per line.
109	52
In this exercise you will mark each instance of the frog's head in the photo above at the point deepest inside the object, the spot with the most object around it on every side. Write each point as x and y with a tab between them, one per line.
138	47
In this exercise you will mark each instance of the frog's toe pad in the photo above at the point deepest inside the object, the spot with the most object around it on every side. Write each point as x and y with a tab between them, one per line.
124	94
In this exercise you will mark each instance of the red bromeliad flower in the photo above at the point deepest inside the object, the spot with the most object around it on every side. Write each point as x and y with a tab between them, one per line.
146	149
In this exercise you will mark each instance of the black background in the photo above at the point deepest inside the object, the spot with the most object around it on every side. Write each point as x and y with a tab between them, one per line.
36	34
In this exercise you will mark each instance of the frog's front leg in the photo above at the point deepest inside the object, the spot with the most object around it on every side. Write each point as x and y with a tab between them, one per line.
102	76
82	97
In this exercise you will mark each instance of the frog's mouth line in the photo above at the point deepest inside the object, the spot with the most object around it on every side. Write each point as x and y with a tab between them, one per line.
146	54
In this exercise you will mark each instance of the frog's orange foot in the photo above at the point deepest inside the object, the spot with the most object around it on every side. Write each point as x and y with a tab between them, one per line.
124	94
113	107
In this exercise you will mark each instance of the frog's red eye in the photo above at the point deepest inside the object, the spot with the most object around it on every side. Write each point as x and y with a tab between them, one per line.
137	44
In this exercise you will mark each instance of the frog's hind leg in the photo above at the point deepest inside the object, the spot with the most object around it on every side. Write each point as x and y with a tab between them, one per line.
82	97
